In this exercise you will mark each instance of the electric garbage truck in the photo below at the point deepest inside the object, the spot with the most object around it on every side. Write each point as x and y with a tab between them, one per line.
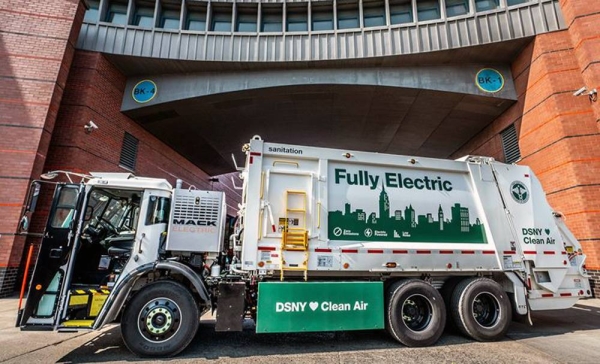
324	240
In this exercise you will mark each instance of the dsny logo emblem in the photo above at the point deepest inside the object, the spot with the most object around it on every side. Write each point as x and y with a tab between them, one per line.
519	192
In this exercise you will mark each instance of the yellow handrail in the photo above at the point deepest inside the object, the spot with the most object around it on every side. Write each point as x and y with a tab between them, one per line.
283	161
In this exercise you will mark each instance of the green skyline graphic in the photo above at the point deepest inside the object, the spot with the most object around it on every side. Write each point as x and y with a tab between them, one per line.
405	225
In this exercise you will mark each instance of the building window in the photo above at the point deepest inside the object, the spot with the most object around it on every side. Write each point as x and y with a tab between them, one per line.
297	18
144	14
246	18
401	12
221	19
117	13
374	14
428	10
510	144
457	7
347	15
169	19
91	14
129	151
196	18
484	5
272	18
322	17
515	2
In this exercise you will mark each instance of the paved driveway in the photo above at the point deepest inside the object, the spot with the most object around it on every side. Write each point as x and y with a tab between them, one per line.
566	336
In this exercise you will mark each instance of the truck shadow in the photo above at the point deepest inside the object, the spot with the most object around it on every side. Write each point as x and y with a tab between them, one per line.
211	345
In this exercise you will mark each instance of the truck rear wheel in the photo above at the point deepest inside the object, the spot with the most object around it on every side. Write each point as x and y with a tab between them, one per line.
160	320
481	309
415	314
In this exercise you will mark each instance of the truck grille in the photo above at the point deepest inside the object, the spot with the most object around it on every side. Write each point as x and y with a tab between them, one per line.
197	208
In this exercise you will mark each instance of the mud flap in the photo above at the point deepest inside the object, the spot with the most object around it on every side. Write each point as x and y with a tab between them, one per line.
230	307
520	293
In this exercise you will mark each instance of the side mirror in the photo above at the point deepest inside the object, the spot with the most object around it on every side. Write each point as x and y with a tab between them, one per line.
32	199
34	193
24	224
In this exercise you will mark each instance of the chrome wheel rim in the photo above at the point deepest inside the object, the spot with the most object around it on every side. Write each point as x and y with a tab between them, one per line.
159	320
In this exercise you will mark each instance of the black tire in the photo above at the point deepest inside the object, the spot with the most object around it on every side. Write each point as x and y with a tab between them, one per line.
415	313
446	291
481	309
160	320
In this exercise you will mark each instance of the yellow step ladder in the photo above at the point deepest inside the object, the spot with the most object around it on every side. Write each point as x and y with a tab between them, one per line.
295	238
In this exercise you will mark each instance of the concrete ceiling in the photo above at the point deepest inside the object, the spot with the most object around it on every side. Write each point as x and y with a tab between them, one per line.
208	129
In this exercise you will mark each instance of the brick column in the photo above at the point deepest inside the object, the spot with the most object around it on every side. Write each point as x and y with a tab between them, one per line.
583	21
37	43
558	132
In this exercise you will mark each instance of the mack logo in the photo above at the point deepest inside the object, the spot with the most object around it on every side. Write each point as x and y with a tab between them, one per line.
194	222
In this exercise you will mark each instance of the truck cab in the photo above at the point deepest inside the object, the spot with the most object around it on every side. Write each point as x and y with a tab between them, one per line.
94	228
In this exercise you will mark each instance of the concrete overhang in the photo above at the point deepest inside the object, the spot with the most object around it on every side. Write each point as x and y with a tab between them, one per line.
425	111
423	104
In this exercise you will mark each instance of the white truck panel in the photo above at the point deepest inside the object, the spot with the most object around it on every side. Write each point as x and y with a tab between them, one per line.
371	212
197	221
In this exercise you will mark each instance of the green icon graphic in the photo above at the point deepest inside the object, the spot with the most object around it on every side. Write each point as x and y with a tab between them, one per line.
519	192
405	225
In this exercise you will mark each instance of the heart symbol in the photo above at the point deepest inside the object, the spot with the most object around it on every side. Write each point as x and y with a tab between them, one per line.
547	231
313	305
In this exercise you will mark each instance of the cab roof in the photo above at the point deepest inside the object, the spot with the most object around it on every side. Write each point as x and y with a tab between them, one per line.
128	180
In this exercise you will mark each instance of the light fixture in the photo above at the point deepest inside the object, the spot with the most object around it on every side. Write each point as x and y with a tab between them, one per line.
580	91
53	174
592	94
49	175
90	126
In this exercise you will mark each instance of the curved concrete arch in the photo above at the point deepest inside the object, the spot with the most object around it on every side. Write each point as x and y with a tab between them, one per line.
177	87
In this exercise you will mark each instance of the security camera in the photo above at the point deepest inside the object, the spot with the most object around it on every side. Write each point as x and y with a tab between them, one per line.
90	126
580	91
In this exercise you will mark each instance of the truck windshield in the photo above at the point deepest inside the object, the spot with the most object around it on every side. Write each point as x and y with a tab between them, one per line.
121	213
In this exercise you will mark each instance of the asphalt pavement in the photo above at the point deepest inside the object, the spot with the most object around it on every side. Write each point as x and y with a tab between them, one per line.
562	336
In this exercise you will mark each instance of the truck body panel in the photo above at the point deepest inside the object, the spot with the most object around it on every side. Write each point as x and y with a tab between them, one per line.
377	213
324	240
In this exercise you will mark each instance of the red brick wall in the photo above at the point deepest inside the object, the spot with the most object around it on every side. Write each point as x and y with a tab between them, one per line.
37	40
94	92
559	133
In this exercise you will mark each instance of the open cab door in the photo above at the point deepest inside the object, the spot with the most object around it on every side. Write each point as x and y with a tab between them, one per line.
50	278
87	242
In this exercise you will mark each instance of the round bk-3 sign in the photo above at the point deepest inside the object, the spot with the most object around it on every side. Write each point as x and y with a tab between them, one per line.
489	80
144	91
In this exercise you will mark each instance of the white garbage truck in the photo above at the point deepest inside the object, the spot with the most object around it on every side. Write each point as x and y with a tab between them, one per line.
324	240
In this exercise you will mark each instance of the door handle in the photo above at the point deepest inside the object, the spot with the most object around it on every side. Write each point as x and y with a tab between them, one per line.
56	253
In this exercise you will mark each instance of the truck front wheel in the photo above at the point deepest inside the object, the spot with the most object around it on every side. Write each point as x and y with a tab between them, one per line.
160	320
415	314
481	309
